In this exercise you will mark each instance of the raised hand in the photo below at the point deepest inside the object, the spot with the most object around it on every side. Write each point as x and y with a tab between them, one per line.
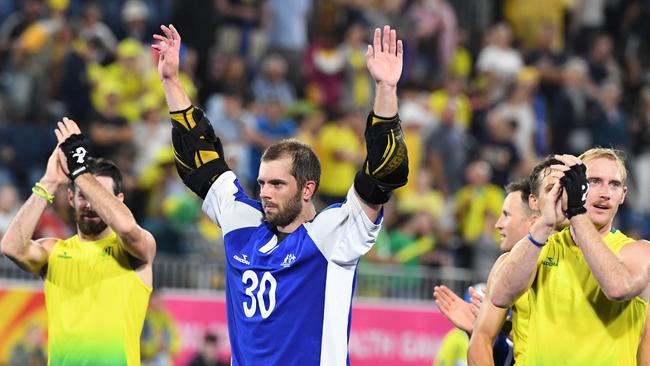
552	198
54	174
454	308
384	59
73	147
168	47
575	185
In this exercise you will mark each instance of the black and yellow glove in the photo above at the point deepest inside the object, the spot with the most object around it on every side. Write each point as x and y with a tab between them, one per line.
198	152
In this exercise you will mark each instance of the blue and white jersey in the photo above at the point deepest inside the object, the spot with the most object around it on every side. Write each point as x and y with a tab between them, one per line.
289	303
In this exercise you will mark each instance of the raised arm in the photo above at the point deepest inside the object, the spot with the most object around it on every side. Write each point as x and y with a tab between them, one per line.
386	165
621	276
517	273
168	47
110	208
17	243
198	152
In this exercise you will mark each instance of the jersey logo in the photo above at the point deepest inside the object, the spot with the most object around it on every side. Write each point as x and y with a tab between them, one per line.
243	259
549	261
64	255
288	260
108	251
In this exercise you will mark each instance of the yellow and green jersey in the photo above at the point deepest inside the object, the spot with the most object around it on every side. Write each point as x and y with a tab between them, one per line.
572	322
96	304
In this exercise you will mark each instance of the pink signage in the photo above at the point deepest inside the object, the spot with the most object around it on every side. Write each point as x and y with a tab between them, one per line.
382	333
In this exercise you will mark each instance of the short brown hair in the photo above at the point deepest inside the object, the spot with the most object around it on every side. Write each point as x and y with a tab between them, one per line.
522	186
304	162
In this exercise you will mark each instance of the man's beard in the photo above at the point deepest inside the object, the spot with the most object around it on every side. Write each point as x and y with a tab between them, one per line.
90	228
286	216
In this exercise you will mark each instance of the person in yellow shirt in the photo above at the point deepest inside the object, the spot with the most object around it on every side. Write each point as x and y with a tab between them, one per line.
160	340
341	151
97	282
477	206
587	282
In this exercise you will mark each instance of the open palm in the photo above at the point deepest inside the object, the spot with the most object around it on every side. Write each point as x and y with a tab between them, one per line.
168	47
454	308
384	59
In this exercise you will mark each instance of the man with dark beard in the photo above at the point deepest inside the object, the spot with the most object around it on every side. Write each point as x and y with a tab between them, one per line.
290	271
98	282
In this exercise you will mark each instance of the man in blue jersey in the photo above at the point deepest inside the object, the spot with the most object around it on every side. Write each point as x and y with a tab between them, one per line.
290	271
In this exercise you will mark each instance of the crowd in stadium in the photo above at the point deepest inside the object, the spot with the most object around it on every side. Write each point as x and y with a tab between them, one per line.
486	92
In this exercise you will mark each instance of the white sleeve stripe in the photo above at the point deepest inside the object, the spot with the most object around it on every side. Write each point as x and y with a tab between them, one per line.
336	315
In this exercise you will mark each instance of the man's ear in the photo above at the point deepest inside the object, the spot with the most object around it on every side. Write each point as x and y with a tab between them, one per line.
120	196
309	190
532	202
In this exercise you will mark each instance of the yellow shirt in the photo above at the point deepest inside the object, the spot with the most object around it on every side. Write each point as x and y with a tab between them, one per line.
439	100
472	206
95	303
337	176
520	318
572	322
453	349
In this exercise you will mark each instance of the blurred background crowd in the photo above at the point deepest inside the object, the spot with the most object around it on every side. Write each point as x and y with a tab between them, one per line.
488	89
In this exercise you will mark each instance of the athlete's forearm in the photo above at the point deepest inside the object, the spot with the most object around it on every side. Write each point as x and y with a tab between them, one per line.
613	277
175	94
512	278
16	242
115	214
480	350
385	100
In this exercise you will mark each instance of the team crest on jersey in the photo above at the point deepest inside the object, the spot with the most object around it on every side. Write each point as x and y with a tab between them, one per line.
288	260
108	252
243	259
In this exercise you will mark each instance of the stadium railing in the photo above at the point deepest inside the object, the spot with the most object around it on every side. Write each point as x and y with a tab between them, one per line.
373	280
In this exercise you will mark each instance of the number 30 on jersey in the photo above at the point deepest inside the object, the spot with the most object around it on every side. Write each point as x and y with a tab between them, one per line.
267	281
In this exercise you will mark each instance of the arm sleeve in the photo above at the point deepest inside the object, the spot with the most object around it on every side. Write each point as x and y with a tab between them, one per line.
229	207
343	232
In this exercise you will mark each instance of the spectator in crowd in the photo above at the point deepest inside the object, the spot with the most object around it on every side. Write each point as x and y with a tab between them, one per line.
207	354
573	109
477	206
241	30
342	152
434	39
287	34
272	83
9	205
31	350
160	340
447	150
498	62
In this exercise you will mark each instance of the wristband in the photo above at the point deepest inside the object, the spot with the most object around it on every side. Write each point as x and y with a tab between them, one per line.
42	192
535	242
